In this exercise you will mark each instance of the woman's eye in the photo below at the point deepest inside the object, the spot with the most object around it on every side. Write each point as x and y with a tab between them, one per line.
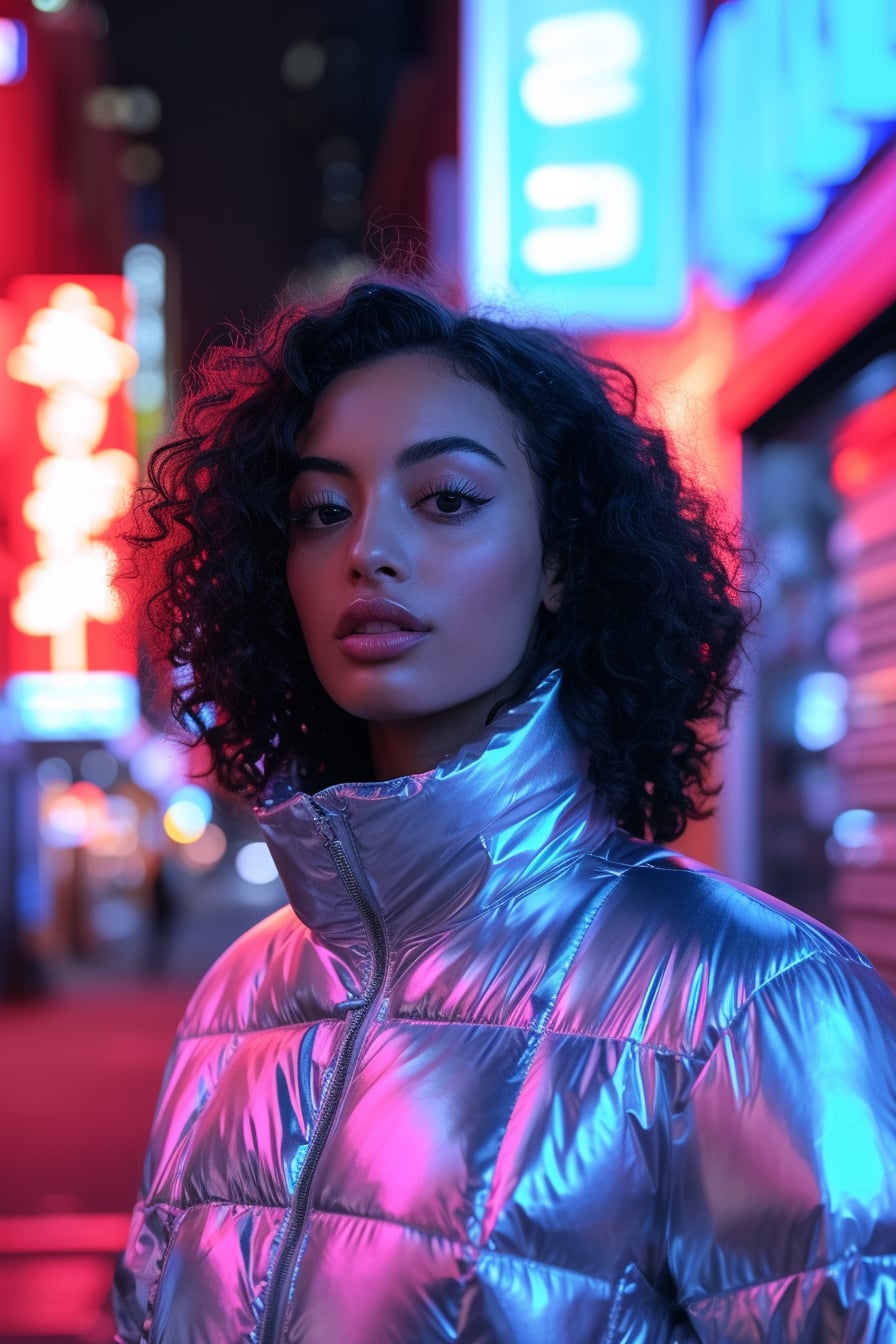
449	501
318	514
452	501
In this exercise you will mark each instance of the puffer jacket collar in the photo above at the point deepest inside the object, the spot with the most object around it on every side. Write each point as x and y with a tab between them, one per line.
435	848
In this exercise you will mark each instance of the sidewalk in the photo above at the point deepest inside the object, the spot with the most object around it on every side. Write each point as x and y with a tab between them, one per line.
81	1068
81	1071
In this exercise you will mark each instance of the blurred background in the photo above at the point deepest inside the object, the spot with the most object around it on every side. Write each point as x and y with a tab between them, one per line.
705	191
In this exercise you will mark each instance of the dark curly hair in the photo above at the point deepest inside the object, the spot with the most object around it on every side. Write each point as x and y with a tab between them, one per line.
650	621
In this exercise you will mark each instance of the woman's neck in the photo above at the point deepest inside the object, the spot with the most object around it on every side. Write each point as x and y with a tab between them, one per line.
413	746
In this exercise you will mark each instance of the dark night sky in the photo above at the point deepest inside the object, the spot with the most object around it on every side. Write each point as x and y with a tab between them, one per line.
241	197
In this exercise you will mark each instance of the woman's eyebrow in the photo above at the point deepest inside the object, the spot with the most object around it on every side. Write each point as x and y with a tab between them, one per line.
408	457
328	465
452	443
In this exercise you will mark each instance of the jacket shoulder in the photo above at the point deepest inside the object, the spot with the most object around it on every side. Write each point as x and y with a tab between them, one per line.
695	898
245	988
677	950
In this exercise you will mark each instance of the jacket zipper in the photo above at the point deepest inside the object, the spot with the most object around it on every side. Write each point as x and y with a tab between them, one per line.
283	1269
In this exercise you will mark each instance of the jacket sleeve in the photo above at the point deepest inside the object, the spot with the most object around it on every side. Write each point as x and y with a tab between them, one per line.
139	1266
783	1195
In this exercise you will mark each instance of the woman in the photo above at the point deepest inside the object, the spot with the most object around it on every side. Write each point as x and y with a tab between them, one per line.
501	1071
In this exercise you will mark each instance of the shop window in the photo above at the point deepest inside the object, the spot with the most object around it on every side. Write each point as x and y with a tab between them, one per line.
820	489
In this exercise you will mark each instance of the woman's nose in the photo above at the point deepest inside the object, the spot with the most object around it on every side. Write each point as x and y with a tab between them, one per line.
377	547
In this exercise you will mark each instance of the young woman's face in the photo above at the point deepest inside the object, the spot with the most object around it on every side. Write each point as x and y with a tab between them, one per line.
415	564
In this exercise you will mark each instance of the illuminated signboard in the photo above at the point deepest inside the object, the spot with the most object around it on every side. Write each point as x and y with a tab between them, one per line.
575	128
71	466
793	100
13	51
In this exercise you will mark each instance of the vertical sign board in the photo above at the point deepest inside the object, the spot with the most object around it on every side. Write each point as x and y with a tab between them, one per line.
70	465
575	123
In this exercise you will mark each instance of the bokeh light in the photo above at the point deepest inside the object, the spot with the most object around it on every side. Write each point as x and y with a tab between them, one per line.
205	852
855	840
54	773
157	765
820	712
99	767
119	836
303	65
255	865
135	109
854	827
74	817
197	796
140	164
184	822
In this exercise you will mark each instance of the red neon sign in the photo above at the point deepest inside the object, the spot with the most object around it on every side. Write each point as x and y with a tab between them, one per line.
70	466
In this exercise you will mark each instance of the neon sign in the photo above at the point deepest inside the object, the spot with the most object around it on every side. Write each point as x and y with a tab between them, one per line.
13	51
69	352
574	156
71	471
794	99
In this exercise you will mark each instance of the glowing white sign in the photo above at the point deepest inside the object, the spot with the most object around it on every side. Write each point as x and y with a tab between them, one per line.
13	51
69	351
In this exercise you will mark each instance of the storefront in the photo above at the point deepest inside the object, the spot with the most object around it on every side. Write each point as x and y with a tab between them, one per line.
812	391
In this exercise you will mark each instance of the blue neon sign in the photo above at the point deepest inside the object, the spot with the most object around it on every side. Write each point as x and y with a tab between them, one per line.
60	706
574	160
793	100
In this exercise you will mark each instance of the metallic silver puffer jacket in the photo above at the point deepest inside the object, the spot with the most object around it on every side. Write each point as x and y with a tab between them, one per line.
512	1076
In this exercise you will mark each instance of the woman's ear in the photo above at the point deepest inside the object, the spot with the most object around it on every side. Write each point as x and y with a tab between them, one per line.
552	588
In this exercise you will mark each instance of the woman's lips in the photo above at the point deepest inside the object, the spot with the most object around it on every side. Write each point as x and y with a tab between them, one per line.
372	630
376	647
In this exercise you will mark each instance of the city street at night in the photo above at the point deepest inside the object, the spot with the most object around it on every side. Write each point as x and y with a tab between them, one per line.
82	1061
448	612
84	1067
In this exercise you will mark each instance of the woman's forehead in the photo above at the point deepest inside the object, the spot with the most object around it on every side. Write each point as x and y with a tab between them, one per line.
405	397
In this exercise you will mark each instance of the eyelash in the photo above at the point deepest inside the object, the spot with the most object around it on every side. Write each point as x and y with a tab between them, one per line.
457	486
462	489
301	516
